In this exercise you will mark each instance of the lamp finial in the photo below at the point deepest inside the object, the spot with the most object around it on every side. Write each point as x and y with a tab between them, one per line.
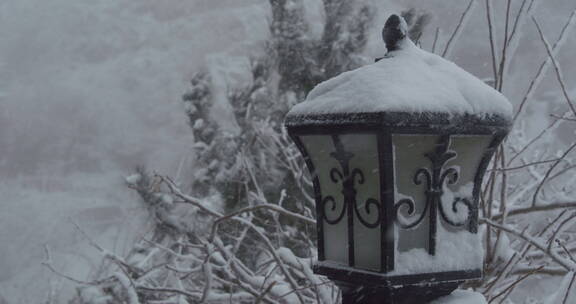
394	32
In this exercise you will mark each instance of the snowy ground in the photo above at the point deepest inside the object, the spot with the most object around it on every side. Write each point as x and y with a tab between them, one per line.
91	89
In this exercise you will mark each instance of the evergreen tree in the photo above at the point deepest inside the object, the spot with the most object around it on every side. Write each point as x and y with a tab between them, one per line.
233	165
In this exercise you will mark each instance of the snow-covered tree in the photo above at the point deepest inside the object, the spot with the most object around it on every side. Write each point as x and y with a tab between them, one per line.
242	230
250	196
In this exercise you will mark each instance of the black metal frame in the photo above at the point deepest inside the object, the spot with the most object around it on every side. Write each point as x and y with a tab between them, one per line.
365	277
384	125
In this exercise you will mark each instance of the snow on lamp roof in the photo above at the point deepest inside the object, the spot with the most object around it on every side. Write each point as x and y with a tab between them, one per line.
407	79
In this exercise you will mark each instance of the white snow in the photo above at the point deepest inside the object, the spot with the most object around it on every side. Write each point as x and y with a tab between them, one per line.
460	250
449	196
401	218
461	297
133	179
455	250
406	80
504	251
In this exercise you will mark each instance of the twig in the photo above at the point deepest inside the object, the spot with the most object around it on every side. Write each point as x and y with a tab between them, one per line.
500	79
544	66
193	295
306	287
514	284
435	39
187	198
458	29
207	269
551	271
508	269
129	287
503	168
211	212
545	230
48	264
489	14
490	188
515	27
257	207
548	172
562	117
503	194
556	66
569	288
564	170
515	35
566	250
550	127
558	230
558	259
107	254
240	270
537	208
267	290
501	273
283	269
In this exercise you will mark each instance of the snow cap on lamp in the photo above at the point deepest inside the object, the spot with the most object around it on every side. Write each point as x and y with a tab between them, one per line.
408	79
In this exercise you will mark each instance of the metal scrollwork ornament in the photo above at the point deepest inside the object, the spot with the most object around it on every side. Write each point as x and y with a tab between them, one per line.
435	179
348	178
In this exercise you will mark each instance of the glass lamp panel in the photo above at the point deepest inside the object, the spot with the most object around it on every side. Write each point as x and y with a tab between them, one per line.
334	236
409	157
367	233
457	246
464	244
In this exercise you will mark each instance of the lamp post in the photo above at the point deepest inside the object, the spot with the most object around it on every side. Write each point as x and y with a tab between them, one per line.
397	151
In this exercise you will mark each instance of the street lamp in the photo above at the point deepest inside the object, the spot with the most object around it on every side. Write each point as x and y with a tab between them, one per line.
397	151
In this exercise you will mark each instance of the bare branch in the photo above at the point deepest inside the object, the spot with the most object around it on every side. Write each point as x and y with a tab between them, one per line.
463	20
435	40
538	208
258	207
519	15
551	271
535	243
556	163
193	295
550	127
559	229
527	165
566	250
563	117
544	66
569	288
514	284
552	58
48	264
500	79
514	39
489	15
